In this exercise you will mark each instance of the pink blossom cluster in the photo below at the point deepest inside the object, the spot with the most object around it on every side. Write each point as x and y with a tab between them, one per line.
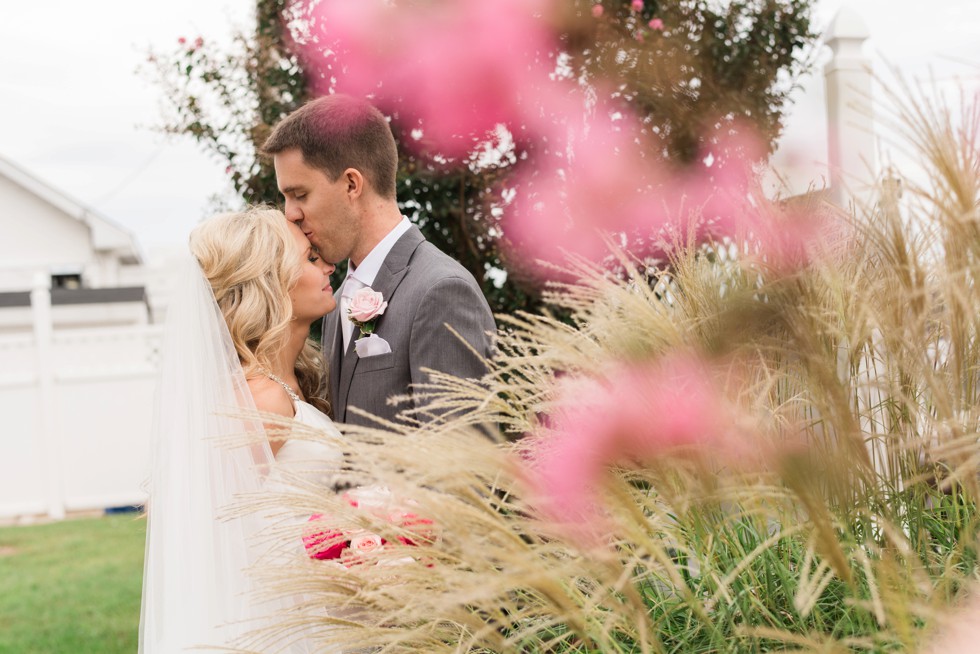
604	183
195	45
460	68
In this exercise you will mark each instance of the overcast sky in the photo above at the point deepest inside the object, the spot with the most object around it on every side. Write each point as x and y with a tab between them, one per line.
75	112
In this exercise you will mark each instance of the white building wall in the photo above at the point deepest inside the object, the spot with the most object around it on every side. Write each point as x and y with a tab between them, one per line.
37	238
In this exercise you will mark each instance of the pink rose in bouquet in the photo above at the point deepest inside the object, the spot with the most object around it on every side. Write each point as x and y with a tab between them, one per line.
366	542
357	547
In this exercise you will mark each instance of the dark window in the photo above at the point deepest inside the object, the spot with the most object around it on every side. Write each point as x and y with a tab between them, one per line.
67	281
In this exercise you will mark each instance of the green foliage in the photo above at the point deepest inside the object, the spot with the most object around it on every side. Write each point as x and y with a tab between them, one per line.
71	586
713	64
744	55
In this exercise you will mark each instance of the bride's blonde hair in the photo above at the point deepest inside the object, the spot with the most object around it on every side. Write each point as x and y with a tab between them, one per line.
250	261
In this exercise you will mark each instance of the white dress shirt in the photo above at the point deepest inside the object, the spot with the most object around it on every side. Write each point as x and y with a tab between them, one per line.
363	275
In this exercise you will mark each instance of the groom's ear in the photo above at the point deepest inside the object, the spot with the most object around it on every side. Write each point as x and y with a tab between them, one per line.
355	183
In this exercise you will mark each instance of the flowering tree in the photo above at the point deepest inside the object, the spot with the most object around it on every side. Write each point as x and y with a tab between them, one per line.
678	67
689	65
229	101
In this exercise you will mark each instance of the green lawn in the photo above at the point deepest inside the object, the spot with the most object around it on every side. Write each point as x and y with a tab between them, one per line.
71	587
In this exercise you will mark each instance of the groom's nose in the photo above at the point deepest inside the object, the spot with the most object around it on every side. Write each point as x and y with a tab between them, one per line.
292	212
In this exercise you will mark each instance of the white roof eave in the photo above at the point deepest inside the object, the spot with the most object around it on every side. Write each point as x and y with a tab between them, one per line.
107	236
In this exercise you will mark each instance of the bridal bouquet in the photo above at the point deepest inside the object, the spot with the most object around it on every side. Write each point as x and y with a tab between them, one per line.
359	546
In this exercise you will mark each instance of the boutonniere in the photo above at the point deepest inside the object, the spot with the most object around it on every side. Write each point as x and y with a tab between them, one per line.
365	307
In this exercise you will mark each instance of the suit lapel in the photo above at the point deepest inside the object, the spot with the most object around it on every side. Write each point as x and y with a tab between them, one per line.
385	282
346	365
332	341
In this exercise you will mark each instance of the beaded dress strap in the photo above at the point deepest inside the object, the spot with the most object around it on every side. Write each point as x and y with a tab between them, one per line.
289	391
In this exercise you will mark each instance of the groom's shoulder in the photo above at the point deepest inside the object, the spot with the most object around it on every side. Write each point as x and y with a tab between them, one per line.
432	264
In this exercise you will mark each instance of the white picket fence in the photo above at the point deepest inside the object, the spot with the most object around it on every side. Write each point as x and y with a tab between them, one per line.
76	406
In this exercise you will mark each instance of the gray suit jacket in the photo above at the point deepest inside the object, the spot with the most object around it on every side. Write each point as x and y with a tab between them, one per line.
425	289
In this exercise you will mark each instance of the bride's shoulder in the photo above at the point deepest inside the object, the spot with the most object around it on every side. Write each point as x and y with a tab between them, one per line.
270	397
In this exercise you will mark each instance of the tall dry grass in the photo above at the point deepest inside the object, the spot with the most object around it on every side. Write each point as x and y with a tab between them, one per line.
843	518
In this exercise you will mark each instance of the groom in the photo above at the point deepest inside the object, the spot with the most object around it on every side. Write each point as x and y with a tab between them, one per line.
335	161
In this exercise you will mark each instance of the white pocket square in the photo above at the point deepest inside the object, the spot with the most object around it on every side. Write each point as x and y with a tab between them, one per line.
371	346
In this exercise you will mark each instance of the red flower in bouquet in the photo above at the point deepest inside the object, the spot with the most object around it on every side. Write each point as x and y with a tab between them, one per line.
358	546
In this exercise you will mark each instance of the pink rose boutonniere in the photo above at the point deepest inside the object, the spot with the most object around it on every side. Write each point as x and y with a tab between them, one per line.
365	307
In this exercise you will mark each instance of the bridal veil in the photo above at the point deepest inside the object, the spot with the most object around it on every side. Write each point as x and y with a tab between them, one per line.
206	455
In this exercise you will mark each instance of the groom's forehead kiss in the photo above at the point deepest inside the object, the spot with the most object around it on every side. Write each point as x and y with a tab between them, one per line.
318	205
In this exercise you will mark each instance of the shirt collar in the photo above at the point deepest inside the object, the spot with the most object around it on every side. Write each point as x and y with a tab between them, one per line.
369	268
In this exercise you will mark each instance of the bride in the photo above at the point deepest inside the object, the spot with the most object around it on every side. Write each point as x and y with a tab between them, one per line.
235	345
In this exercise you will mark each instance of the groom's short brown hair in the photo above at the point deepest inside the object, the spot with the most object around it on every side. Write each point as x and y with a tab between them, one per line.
337	132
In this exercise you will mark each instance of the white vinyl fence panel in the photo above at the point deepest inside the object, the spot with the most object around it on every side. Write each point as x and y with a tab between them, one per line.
77	413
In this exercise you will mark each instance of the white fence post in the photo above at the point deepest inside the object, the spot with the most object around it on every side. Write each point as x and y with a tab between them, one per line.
850	121
51	459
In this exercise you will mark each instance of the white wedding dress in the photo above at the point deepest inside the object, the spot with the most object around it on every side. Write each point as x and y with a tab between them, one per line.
305	460
312	460
302	462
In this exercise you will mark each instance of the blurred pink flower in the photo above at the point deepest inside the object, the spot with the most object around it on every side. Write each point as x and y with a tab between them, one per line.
422	530
603	181
734	205
595	179
636	414
458	68
786	239
600	178
656	24
596	11
637	5
958	632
